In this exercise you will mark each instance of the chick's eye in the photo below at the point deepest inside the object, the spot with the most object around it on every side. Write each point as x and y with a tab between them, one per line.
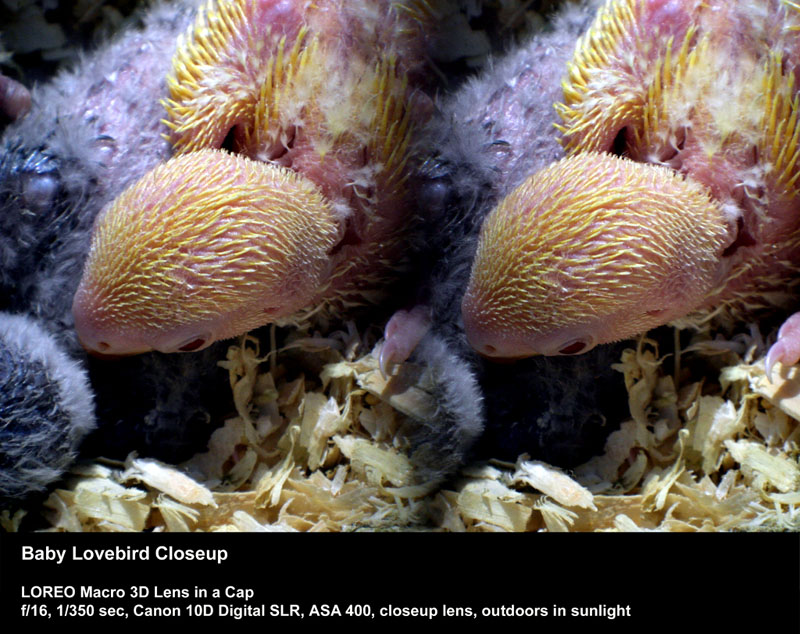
39	192
573	347
192	345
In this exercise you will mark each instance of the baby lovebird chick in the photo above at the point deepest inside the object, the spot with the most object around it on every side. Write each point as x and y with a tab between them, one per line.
315	102
680	193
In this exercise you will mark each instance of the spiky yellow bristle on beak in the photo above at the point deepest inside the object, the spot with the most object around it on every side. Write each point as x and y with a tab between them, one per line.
204	247
590	250
226	64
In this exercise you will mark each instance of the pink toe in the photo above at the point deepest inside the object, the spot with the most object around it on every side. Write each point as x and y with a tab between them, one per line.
387	357
402	333
791	329
774	355
787	348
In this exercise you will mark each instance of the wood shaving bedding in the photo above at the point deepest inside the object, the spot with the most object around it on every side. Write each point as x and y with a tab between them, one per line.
330	453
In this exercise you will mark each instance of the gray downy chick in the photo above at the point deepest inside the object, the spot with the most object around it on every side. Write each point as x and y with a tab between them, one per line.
86	135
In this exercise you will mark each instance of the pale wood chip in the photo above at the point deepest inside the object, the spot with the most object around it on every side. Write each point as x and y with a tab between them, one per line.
168	480
783	392
779	471
552	482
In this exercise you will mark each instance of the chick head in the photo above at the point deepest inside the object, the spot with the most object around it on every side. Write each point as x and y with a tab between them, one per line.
204	247
590	250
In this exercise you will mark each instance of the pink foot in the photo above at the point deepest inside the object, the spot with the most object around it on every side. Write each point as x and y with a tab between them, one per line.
787	348
403	332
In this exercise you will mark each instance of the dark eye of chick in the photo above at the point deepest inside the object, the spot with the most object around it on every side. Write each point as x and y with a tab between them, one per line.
192	345
575	347
39	192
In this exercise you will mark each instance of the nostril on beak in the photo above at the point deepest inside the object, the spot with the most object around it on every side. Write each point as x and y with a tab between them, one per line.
98	350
